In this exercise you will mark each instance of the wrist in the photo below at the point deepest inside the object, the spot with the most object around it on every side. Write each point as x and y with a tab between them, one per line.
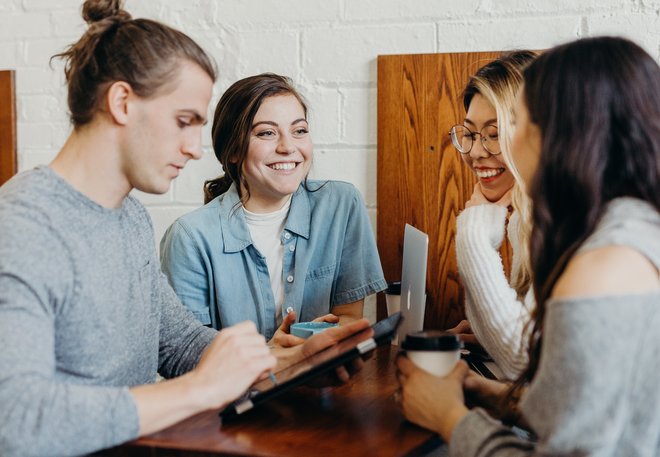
194	391
201	395
451	419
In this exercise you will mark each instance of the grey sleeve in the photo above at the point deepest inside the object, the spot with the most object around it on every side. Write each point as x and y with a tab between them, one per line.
183	338
479	435
40	414
576	403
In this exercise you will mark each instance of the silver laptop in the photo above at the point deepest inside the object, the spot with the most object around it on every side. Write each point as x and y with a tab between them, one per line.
413	280
413	296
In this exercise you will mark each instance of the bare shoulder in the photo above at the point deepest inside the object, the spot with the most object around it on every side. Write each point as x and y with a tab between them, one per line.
610	270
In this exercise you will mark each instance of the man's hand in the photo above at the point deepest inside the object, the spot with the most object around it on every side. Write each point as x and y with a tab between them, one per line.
236	357
233	361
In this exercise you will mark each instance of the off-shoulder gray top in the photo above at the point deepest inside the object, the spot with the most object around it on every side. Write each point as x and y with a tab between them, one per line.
597	390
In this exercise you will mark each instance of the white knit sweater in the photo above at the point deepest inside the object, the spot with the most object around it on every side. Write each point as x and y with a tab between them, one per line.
496	315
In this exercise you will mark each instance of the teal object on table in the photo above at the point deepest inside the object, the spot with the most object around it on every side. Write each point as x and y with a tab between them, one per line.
307	329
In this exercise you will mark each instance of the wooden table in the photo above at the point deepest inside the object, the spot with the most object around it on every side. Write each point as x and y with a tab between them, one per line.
359	418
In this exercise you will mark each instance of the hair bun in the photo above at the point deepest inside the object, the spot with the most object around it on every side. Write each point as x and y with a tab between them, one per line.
98	10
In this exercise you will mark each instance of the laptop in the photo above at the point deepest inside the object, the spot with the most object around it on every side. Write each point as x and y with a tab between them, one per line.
413	297
413	280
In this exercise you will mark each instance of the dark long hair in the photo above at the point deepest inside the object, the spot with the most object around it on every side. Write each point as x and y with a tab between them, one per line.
144	53
232	124
597	104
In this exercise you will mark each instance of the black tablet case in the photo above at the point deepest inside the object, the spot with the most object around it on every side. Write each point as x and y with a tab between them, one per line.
322	362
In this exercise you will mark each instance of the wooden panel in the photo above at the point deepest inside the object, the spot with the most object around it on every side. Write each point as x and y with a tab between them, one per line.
421	178
8	163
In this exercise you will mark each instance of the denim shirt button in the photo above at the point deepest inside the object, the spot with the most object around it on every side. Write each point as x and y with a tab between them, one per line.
292	248
289	278
287	235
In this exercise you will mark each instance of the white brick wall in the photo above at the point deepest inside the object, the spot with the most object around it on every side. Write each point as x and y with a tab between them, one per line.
329	47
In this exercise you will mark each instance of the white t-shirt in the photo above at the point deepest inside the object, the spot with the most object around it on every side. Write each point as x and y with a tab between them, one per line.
266	231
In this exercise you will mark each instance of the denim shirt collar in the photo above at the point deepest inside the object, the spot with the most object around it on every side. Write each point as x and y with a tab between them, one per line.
235	231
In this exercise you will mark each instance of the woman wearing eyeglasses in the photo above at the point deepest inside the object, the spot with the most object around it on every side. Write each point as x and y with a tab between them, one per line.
587	144
496	309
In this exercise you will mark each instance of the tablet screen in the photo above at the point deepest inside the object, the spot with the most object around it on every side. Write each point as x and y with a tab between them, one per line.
321	362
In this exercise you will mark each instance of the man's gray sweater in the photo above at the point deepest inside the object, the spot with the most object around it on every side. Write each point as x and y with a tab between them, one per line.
85	313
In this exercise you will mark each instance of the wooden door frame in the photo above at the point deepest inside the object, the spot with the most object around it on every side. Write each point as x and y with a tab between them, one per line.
421	180
8	159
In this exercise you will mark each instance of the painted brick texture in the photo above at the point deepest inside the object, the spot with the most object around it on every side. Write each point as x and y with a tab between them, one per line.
329	47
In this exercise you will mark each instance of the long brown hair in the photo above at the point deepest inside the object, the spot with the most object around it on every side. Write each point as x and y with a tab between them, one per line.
232	124
597	104
115	47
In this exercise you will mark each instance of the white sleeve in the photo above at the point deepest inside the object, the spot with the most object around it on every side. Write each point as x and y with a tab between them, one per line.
496	315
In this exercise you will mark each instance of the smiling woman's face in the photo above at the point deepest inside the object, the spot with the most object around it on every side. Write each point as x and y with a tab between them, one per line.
494	177
279	153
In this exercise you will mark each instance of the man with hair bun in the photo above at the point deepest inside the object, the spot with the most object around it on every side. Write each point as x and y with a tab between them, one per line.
87	318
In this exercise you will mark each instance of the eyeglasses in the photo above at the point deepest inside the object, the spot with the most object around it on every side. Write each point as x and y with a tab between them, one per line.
463	139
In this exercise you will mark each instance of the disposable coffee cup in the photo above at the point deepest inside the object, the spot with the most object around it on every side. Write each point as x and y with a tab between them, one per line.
393	297
434	351
393	300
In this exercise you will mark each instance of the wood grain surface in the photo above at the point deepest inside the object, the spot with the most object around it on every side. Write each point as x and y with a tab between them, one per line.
421	178
360	418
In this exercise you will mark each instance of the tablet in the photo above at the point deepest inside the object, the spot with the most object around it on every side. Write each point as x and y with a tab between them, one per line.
476	363
322	362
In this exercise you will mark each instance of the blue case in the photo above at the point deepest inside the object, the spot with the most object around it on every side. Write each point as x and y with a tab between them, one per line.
307	329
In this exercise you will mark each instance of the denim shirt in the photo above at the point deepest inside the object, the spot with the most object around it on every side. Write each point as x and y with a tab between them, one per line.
330	258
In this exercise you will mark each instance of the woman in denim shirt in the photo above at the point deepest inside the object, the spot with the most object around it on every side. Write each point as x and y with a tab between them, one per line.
268	239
